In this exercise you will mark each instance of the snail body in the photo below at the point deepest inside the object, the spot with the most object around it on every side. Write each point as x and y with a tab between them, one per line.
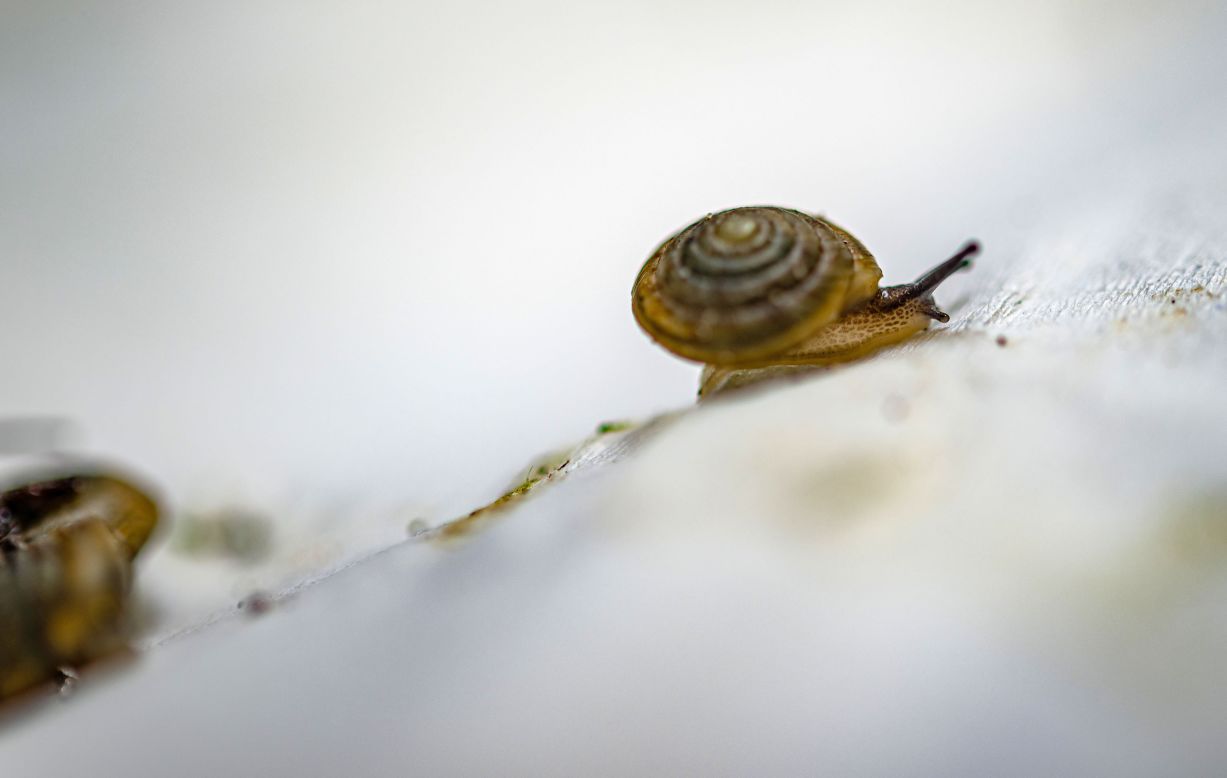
757	292
66	552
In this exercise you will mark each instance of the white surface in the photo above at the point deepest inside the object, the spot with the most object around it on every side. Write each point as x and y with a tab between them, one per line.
1019	572
374	252
954	558
350	264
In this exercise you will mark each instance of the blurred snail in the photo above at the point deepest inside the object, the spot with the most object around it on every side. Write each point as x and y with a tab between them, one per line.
759	291
66	551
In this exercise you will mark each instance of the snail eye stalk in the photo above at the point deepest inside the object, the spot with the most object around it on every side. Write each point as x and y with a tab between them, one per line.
897	295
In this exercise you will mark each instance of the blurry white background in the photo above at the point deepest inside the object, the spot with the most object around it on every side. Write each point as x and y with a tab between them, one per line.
319	255
347	263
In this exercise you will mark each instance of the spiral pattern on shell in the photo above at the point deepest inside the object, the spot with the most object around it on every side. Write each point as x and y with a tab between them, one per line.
741	285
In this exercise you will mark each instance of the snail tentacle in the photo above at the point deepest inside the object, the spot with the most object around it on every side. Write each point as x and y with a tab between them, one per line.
931	279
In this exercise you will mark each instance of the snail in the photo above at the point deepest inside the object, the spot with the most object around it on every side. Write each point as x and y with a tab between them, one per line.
761	291
66	551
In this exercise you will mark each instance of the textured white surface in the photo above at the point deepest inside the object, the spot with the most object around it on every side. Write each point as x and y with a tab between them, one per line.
957	558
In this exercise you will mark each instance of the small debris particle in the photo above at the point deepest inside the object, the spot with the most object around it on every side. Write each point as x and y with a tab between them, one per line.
612	426
257	603
235	533
418	527
1002	341
66	679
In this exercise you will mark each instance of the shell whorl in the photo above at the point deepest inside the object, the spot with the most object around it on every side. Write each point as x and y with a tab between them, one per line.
740	285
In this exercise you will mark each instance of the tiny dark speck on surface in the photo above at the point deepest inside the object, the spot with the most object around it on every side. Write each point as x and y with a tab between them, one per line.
256	603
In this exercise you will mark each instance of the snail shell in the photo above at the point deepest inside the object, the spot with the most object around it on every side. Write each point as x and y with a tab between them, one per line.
766	287
66	551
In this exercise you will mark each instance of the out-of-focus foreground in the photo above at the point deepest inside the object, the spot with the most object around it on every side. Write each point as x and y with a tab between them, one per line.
345	267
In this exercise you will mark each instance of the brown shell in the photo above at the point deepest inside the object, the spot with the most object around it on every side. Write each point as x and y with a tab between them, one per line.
66	550
742	285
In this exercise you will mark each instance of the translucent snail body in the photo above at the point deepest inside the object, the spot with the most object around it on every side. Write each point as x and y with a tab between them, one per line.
758	292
